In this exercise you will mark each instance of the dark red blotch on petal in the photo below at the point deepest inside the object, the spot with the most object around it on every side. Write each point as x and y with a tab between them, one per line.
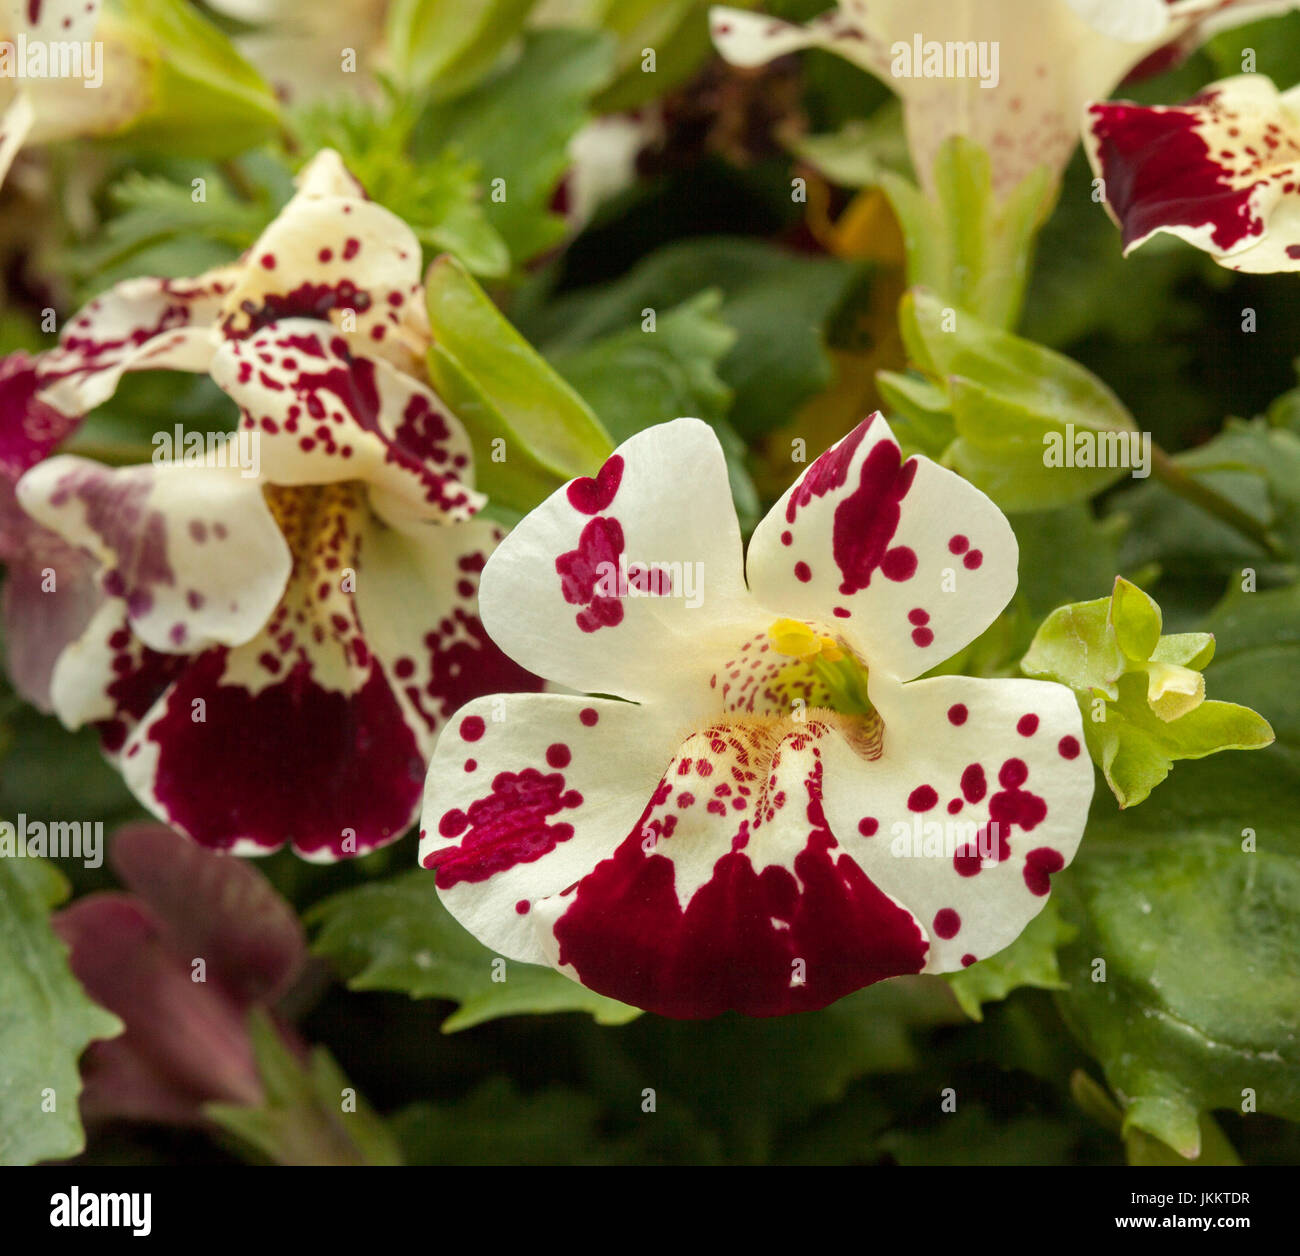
627	936
295	762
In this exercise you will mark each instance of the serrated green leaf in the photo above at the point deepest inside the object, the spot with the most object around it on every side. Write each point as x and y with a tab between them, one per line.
1152	708
1193	902
396	935
46	1020
551	84
778	303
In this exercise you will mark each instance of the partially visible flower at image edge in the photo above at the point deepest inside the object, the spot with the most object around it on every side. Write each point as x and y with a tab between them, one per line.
273	653
717	830
1220	171
1052	57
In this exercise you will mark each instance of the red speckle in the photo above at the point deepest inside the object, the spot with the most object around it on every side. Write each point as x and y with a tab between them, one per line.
947	923
590	497
558	755
922	798
802	572
787	538
958	544
589	716
523	907
868	826
967	960
957	713
472	727
918	616
1068	747
1039	866
1027	725
923	637
973	783
973	560
507	827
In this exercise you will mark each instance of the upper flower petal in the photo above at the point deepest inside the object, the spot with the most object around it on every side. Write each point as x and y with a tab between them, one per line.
1221	171
323	412
331	254
194	552
959	755
905	559
615	584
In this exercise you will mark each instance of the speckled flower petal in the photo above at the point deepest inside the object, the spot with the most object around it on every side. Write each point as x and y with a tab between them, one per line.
434	649
615	583
193	552
1022	102
323	413
302	717
138	325
333	255
904	559
1221	172
526	794
957	755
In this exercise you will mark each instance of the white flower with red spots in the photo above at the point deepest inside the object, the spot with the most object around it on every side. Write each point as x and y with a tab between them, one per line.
274	653
37	110
1052	57
765	809
1221	171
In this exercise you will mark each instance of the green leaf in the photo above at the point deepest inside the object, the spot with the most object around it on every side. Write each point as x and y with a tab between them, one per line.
310	1115
206	101
1029	961
1018	409
972	1136
551	85
445	46
396	935
778	304
636	378
441	196
46	1020
155	212
1193	901
861	151
1152	708
502	389
967	245
496	1125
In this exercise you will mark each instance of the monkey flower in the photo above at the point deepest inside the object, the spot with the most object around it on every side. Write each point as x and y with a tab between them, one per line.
764	809
1012	75
286	620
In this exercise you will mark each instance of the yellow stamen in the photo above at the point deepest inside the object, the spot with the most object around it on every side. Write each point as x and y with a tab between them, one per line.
792	637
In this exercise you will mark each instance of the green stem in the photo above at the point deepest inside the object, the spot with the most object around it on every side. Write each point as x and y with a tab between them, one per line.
1188	487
